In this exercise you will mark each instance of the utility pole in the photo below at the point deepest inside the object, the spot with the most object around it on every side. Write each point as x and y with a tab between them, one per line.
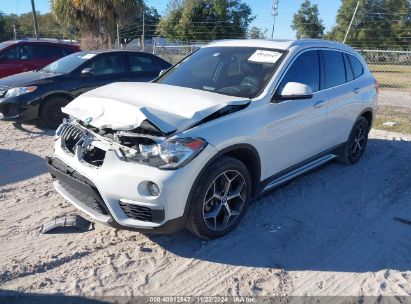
36	29
118	36
352	19
275	14
144	27
14	32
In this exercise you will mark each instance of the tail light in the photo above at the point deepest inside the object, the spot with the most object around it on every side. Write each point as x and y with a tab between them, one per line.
377	86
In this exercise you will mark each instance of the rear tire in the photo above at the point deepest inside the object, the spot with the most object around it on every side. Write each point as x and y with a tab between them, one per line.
356	143
220	198
50	115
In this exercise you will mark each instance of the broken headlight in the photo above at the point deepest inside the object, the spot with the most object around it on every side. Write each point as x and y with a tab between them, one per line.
169	154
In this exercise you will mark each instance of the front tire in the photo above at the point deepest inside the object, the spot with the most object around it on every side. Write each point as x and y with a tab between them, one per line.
357	141
220	198
50	114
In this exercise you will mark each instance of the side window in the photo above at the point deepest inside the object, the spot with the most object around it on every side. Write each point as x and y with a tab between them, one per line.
66	51
46	51
348	71
356	66
20	52
305	69
334	70
142	63
107	64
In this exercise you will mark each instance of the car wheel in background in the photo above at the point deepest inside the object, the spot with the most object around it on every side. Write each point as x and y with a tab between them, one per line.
50	115
357	141
220	198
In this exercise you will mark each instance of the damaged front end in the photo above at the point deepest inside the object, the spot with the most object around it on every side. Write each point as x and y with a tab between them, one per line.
146	145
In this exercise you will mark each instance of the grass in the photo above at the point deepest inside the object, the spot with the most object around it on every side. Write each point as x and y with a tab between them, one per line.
392	76
400	115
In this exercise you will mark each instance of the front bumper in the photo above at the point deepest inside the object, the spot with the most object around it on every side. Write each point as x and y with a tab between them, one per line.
114	193
23	107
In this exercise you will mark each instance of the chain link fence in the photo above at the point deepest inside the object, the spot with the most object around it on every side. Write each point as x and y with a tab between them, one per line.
391	68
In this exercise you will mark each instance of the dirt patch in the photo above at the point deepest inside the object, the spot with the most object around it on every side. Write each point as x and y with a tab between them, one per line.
338	234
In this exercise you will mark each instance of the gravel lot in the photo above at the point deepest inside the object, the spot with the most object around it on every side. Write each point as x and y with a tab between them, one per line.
335	233
394	98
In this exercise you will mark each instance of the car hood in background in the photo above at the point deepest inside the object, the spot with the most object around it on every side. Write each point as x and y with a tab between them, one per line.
124	106
26	79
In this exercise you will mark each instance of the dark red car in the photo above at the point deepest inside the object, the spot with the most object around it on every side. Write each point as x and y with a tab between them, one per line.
27	55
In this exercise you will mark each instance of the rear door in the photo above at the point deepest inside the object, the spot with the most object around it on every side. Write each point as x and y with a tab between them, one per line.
296	128
105	68
144	67
344	95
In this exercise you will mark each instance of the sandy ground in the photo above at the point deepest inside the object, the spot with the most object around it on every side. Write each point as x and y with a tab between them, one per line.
334	234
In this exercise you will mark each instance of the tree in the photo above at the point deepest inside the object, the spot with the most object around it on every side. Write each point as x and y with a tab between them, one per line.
6	26
48	26
307	22
192	20
257	33
378	23
135	28
98	18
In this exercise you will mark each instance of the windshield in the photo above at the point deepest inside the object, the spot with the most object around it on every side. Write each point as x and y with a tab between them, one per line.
68	64
235	71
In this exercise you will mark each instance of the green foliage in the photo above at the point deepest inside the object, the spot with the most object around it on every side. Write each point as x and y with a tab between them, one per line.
190	20
257	33
135	28
378	23
307	22
48	26
98	18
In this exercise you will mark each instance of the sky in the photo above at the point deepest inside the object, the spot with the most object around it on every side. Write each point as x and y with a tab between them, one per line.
261	9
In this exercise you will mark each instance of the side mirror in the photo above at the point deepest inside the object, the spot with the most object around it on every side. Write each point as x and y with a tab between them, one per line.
295	90
87	72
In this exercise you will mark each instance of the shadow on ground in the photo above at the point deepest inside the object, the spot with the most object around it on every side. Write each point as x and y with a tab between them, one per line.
16	166
339	218
39	130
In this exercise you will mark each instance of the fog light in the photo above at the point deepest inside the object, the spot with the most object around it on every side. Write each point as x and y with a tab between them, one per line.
153	189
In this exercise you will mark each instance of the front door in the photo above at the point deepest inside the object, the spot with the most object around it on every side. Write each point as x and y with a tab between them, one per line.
295	129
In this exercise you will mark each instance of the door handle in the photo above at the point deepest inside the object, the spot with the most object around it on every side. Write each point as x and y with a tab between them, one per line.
356	90
319	103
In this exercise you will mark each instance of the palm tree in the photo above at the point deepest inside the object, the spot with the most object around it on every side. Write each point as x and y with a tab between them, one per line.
96	16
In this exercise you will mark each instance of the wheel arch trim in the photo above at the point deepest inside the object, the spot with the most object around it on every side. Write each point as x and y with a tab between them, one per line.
226	151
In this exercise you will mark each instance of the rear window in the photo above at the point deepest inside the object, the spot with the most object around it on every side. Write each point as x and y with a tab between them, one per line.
356	66
334	68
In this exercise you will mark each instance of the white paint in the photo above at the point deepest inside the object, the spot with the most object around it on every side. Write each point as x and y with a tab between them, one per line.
123	106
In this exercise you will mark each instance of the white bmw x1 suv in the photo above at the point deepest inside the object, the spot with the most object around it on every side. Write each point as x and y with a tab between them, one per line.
194	147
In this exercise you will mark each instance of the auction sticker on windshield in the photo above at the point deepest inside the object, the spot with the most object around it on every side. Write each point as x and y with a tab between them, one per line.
265	56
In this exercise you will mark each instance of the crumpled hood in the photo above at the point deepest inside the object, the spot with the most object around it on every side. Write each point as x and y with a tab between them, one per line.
125	105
